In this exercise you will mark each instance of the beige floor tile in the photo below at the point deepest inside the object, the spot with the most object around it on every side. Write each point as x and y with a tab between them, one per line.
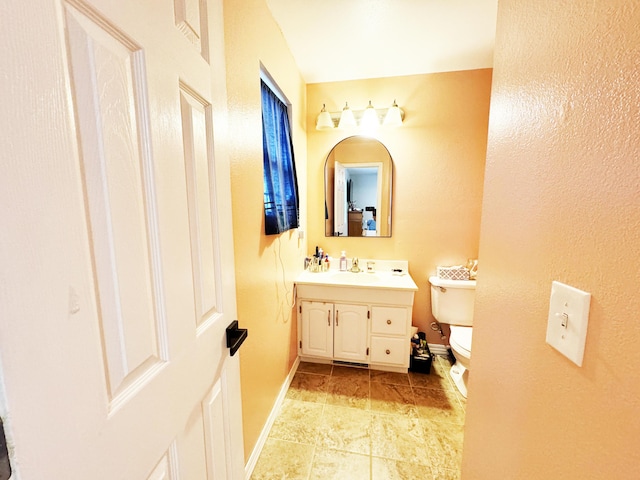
389	377
398	437
380	429
280	459
348	391
308	387
436	379
436	424
336	465
438	405
347	429
461	399
444	446
297	422
443	360
350	372
444	365
319	368
386	469
392	399
440	473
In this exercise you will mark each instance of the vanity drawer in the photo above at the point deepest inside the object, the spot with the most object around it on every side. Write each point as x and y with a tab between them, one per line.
389	320
393	351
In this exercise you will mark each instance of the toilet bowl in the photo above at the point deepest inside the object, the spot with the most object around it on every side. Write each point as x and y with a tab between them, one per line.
460	343
452	303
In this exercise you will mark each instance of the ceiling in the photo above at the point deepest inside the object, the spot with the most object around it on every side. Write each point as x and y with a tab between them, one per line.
333	40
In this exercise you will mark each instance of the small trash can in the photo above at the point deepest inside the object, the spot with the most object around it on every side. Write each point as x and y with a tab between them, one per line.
421	357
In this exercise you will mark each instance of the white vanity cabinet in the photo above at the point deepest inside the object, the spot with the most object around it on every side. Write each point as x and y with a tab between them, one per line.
390	328
358	318
334	331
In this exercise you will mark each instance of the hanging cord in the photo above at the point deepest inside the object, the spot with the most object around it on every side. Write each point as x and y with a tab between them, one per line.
284	280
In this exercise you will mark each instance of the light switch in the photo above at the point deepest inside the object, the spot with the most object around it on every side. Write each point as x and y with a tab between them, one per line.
568	319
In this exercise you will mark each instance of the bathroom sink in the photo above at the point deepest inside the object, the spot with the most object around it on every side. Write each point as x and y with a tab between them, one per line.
390	284
360	278
380	279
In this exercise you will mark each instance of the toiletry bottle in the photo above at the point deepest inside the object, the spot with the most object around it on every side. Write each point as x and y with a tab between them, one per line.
343	261
325	263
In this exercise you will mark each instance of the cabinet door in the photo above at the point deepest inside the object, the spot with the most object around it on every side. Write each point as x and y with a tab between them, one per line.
350	333
317	329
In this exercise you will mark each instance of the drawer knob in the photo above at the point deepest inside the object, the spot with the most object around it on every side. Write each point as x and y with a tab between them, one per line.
388	351
389	322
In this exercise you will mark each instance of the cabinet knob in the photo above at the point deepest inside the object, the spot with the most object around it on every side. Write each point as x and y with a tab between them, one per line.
388	351
389	322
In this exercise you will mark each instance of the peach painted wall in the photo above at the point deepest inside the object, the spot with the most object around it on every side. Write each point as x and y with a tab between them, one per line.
561	202
438	153
265	265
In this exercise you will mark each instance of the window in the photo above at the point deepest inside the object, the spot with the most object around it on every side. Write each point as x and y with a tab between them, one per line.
281	206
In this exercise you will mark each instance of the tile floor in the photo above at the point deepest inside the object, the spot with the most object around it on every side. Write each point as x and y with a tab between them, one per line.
348	423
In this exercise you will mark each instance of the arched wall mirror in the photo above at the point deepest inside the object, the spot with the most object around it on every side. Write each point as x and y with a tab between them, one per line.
357	189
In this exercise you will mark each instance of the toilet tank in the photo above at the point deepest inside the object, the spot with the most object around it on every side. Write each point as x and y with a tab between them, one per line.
452	300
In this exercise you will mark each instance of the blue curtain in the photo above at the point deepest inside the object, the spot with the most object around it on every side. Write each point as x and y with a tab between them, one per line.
281	206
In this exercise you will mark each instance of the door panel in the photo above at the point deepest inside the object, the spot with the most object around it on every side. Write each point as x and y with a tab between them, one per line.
191	20
317	329
162	471
106	74
216	428
350	333
196	128
118	259
340	201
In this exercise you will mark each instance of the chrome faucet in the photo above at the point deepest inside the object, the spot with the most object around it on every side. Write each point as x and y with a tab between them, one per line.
354	265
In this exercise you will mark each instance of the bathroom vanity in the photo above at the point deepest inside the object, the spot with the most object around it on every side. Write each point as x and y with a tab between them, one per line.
359	318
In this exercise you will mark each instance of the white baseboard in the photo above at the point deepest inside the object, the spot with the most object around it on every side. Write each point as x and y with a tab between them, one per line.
257	449
438	349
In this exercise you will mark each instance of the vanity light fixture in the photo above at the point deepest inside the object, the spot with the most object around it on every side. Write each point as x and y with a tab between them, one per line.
393	118
369	118
347	120
324	121
366	119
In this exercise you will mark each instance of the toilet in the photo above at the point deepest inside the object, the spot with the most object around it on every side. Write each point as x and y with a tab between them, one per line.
452	303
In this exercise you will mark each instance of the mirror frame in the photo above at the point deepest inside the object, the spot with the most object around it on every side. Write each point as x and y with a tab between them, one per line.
366	152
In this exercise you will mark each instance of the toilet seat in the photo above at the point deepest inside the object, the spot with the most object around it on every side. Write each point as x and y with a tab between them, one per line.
460	339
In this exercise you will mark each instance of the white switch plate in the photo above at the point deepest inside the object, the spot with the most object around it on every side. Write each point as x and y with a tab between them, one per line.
568	320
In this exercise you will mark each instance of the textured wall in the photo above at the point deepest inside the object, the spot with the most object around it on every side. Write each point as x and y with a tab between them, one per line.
561	202
438	153
265	265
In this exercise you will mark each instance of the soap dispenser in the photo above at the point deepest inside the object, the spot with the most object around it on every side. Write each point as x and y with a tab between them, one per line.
343	261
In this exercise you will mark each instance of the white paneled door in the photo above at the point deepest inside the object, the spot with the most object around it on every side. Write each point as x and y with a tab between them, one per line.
340	201
117	280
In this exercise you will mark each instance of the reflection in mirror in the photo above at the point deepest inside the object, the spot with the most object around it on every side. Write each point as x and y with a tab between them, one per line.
357	182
